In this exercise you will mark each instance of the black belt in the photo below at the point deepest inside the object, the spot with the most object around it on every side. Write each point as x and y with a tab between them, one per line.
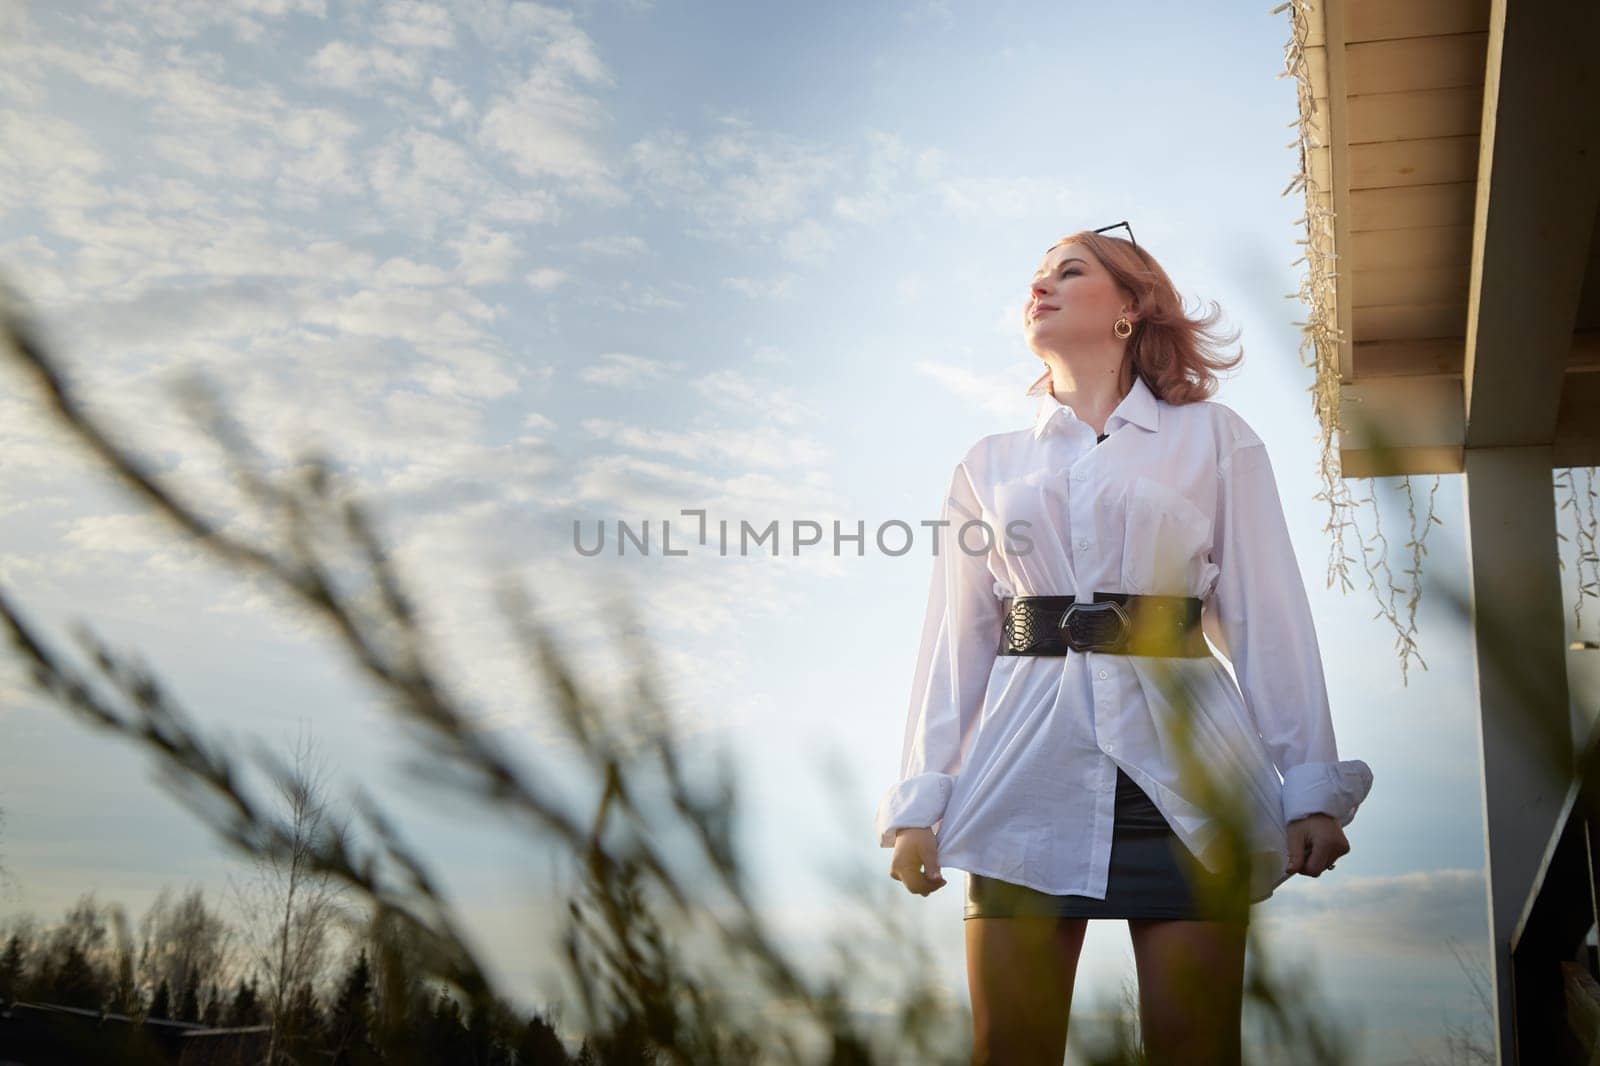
1121	623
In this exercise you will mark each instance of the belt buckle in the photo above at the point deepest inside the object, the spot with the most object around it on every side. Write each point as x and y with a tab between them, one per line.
1078	636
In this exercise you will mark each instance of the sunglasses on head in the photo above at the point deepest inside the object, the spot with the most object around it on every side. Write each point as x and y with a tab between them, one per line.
1125	226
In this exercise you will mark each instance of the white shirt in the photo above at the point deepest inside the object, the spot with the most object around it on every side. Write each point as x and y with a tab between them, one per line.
1011	759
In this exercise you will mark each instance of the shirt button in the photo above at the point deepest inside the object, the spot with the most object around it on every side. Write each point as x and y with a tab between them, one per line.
1077	475
1102	675
1110	746
1083	544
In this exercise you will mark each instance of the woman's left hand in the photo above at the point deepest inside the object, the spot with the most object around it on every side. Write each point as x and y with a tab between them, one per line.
1314	842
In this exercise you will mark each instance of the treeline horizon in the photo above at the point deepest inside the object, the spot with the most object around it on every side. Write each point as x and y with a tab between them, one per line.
368	1004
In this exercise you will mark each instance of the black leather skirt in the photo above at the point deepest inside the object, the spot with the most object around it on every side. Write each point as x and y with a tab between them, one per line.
1152	875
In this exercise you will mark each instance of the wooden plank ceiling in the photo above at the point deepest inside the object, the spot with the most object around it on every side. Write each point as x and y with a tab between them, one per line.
1400	87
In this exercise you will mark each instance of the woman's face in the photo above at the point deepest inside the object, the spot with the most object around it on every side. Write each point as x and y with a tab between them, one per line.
1072	300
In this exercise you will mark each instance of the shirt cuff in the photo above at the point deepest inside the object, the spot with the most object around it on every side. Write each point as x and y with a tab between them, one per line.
1335	788
916	802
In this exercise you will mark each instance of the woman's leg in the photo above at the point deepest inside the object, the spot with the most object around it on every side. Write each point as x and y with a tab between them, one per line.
1191	988
1020	973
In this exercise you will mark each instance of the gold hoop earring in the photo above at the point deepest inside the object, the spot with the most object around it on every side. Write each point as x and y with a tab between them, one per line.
1123	328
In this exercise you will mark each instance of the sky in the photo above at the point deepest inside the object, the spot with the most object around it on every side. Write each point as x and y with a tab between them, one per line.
516	265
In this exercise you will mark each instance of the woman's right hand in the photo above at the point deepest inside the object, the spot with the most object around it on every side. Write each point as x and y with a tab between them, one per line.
915	863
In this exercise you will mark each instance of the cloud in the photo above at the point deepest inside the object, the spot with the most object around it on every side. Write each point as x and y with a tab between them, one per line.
619	369
740	182
451	98
615	245
412	24
892	171
732	390
999	393
426	179
484	255
162	313
763	446
807	242
547	126
635	487
47	164
247	20
362	68
401	271
1003	197
543	129
545	278
762	288
1411	914
128	536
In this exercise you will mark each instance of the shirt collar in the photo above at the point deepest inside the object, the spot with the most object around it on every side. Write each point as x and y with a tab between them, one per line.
1139	407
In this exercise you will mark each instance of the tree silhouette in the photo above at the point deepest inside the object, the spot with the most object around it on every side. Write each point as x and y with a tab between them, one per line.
246	1008
123	985
540	1043
190	1011
300	1031
212	1013
292	908
11	969
185	945
161	1006
74	984
349	1022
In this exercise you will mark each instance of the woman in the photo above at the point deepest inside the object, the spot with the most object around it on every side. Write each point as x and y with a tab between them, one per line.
1072	743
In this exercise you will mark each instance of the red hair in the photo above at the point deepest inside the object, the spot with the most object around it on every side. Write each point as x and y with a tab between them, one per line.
1177	356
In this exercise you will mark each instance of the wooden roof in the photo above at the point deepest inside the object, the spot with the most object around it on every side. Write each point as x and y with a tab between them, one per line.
1461	159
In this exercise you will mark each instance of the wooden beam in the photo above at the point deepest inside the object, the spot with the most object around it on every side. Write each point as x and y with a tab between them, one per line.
1400	414
1388	359
1385	286
1450	112
1447	355
1411	321
1415	63
1396	462
1422	161
1407	206
1339	179
1411	423
1577	437
1538	187
1377	20
1431	246
1525	726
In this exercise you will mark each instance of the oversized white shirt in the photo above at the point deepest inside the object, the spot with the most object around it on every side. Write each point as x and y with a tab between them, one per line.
1011	759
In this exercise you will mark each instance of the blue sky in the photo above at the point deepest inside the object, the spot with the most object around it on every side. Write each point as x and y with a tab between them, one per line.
517	264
